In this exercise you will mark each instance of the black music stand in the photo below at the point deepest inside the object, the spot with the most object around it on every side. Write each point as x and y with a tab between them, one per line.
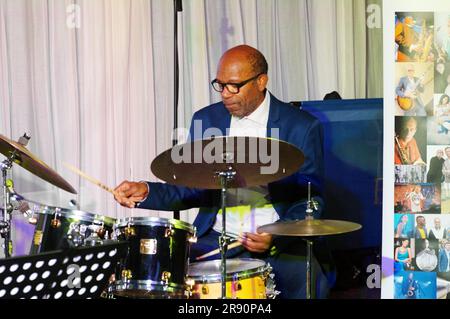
77	273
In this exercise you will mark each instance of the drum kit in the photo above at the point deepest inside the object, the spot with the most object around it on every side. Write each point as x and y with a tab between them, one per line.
157	263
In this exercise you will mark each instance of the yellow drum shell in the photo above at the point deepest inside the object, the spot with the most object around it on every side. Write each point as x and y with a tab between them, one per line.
246	279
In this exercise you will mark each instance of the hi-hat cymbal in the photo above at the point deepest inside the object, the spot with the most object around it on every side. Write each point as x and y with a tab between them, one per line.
309	227
256	161
24	158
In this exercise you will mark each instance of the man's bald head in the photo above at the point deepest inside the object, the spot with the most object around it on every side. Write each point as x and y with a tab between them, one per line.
255	59
246	68
252	56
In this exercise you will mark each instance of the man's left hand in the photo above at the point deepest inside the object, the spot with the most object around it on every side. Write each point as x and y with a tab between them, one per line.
256	243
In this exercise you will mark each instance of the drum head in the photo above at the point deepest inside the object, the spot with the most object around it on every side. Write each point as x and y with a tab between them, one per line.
32	205
155	221
210	270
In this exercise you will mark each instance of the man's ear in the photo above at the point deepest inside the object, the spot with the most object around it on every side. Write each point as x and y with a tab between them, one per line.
262	81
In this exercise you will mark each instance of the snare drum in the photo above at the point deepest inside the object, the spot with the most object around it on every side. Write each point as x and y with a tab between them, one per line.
157	263
246	278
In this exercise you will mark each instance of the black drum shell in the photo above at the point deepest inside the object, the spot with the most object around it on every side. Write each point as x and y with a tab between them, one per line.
53	225
160	269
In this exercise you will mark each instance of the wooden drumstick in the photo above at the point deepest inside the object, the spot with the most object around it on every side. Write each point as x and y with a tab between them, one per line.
216	251
89	178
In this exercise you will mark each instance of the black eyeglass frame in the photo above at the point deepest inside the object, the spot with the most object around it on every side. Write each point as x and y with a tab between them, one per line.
234	85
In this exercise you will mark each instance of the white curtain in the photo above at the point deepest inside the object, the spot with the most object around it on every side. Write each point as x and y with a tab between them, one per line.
92	80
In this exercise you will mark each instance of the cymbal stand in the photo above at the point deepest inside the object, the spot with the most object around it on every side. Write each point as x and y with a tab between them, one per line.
310	207
225	177
5	223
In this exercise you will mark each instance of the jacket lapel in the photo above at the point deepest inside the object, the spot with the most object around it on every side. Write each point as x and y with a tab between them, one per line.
274	115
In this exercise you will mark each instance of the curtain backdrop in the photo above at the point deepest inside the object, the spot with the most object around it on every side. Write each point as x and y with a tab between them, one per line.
92	80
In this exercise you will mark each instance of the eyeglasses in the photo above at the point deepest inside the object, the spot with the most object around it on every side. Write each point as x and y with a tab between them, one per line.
233	88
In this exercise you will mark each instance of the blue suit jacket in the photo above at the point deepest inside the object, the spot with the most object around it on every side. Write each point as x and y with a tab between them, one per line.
287	195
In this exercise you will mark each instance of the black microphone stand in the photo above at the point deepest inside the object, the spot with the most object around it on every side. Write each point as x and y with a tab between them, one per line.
178	7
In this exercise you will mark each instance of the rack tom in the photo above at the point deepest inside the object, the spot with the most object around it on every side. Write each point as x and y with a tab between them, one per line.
157	262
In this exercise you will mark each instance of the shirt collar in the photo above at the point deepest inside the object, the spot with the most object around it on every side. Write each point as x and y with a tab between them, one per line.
260	114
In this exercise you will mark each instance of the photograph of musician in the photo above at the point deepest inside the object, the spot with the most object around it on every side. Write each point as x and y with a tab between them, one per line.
415	199
415	285
410	174
403	226
410	287
424	198
434	174
241	81
414	36
403	256
444	256
414	93
420	230
442	107
437	231
409	141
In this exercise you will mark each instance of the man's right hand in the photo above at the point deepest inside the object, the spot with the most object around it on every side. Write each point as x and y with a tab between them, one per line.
128	193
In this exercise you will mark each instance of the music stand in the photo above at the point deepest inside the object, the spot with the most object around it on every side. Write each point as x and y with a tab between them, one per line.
81	272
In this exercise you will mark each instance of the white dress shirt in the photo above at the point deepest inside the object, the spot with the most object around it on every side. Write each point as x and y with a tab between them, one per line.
248	208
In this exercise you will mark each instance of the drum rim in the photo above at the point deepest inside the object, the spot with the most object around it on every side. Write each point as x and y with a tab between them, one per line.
69	213
147	285
216	277
152	220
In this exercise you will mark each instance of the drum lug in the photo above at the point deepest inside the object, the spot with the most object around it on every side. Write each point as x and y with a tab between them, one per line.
237	286
192	239
168	232
271	293
101	232
28	213
127	274
268	272
129	231
205	290
166	276
189	284
55	223
32	219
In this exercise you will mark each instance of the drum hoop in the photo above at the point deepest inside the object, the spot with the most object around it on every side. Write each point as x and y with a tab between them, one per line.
147	285
156	221
239	275
70	213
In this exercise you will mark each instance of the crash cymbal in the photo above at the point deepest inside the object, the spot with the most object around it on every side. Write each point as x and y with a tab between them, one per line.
24	158
256	161
309	227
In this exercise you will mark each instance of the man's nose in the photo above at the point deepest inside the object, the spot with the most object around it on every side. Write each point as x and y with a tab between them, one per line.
225	93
